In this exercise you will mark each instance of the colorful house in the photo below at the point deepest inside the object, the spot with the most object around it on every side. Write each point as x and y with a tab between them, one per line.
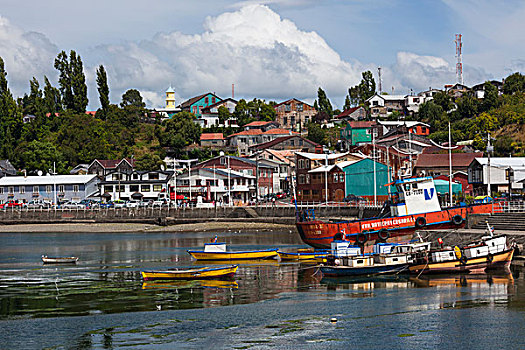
359	179
359	132
196	104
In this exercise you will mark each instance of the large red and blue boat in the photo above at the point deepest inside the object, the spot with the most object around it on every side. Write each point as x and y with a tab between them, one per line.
414	205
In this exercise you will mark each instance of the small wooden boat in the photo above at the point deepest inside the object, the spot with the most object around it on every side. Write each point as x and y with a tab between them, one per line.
59	260
490	253
190	274
368	265
303	255
217	251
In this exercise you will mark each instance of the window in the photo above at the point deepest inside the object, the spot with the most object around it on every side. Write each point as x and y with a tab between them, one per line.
213	100
116	177
194	109
11	190
206	100
285	120
61	188
108	188
223	160
35	189
1	190
292	120
157	188
75	188
22	189
336	177
135	176
133	188
49	189
299	107
121	188
145	188
341	177
301	179
301	164
153	176
375	103
307	178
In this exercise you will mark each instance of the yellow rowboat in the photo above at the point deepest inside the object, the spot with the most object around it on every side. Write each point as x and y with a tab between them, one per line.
184	284
191	274
217	251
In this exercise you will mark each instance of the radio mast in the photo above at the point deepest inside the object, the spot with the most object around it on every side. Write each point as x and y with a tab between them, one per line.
459	63
379	73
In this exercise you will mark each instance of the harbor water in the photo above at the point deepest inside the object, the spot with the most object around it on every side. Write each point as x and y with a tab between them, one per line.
102	302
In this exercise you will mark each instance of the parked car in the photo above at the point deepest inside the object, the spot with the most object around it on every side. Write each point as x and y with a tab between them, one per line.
280	195
132	204
144	204
39	204
119	203
105	205
352	198
72	205
12	204
160	203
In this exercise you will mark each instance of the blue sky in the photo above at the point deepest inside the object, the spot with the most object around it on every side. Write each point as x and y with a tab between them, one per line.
272	49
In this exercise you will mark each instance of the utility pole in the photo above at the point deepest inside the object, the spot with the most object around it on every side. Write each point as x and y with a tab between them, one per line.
229	184
449	164
187	161
326	181
257	179
489	149
374	160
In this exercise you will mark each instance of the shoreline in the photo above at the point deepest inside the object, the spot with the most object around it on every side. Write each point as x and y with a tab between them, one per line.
136	227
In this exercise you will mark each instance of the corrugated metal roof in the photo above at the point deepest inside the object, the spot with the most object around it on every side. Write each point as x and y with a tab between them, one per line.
45	180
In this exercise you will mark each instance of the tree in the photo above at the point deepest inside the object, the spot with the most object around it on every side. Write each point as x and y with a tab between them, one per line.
514	83
78	83
64	79
179	132
134	108
52	102
148	162
490	97
443	100
467	107
363	91
72	81
324	103
430	113
315	133
40	155
10	117
224	115
103	89
347	104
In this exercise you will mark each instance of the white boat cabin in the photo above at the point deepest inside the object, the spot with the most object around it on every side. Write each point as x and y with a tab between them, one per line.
414	196
392	259
357	261
214	247
343	249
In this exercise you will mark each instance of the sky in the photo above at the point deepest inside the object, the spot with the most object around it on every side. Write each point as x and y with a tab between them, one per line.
270	49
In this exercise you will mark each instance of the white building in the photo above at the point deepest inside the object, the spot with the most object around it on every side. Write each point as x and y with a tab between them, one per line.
54	189
479	174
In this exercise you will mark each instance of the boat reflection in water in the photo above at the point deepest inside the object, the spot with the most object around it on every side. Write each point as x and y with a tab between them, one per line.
190	284
480	280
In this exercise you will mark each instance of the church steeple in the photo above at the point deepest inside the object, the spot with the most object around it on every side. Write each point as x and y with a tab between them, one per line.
170	98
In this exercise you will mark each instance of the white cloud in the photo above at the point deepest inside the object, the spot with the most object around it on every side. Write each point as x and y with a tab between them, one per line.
26	55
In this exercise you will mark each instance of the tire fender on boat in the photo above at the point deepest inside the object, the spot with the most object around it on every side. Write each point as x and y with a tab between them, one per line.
361	238
383	234
457	219
421	222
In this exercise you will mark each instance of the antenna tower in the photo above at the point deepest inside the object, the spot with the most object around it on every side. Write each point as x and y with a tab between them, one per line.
459	64
379	73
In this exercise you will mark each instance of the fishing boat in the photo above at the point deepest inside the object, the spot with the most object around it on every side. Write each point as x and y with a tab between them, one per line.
413	206
218	251
306	255
190	274
387	259
489	253
59	260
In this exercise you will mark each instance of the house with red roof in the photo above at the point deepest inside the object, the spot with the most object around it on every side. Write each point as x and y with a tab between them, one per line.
212	139
290	142
261	125
210	114
102	167
294	114
432	164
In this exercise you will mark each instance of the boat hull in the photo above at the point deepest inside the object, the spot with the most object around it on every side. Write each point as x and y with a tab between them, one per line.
68	260
191	274
246	255
340	271
497	261
319	234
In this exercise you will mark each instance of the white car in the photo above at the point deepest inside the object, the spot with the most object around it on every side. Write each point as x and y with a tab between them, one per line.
132	204
73	205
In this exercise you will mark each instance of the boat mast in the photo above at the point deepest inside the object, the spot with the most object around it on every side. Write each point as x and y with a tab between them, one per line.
374	160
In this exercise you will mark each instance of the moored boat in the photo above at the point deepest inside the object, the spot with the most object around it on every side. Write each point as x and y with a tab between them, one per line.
218	251
414	206
190	274
59	260
489	253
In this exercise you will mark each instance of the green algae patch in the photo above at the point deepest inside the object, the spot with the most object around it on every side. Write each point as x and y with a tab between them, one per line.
403	335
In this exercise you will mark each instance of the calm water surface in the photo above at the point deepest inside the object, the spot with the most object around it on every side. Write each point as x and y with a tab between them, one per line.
102	303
